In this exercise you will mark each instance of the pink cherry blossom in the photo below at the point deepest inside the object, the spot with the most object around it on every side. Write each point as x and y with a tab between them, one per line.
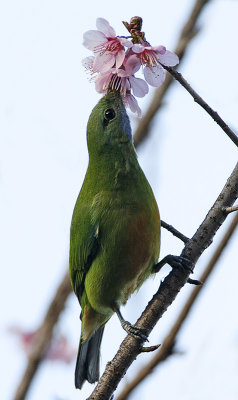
112	80
151	58
25	338
109	48
114	67
122	79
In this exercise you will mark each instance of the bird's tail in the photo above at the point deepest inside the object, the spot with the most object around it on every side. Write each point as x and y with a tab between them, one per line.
87	365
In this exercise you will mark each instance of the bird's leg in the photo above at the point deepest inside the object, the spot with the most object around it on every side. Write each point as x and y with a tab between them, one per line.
179	262
133	330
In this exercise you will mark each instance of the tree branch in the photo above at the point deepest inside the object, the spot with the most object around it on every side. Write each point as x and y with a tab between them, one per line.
44	336
174	231
186	35
168	343
168	290
203	104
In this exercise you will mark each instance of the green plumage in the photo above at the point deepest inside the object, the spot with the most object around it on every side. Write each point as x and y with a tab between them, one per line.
115	230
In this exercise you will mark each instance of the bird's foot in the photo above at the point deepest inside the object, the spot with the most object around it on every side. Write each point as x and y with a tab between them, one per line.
178	262
136	331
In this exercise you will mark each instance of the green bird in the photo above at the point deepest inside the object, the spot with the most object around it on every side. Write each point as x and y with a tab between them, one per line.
115	231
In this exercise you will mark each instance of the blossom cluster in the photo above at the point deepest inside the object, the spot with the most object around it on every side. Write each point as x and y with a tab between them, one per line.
116	60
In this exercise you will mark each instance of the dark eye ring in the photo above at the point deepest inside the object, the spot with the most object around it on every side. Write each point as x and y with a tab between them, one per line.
109	114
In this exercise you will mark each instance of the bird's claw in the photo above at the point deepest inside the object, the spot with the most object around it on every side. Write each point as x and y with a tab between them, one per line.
136	331
181	263
178	262
194	282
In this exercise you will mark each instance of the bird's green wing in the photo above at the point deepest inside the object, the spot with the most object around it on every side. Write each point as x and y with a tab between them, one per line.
84	246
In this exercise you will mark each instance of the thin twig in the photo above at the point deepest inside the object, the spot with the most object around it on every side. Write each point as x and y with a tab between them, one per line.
230	209
178	76
43	336
168	290
187	34
174	231
168	344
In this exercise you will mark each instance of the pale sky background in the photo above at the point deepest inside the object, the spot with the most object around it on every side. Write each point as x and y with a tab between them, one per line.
45	102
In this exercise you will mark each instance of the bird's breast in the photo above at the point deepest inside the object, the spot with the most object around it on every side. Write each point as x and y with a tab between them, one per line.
129	235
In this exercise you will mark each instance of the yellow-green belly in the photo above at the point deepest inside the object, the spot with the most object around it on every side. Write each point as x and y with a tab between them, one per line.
129	249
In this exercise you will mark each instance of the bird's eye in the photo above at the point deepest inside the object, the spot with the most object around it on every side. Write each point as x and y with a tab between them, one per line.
109	114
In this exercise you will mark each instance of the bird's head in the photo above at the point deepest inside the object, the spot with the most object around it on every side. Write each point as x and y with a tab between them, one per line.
108	125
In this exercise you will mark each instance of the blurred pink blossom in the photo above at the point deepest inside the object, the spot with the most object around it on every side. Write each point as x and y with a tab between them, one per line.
59	350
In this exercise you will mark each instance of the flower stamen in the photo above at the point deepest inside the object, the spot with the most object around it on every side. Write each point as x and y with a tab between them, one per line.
112	46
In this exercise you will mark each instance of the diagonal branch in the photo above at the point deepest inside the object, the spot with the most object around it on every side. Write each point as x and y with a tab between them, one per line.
168	290
188	32
168	343
203	104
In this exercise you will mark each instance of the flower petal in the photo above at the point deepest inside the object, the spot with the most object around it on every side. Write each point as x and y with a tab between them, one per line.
103	62
120	58
132	104
125	42
138	48
132	65
102	82
158	49
103	25
155	76
121	72
139	86
168	58
93	38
